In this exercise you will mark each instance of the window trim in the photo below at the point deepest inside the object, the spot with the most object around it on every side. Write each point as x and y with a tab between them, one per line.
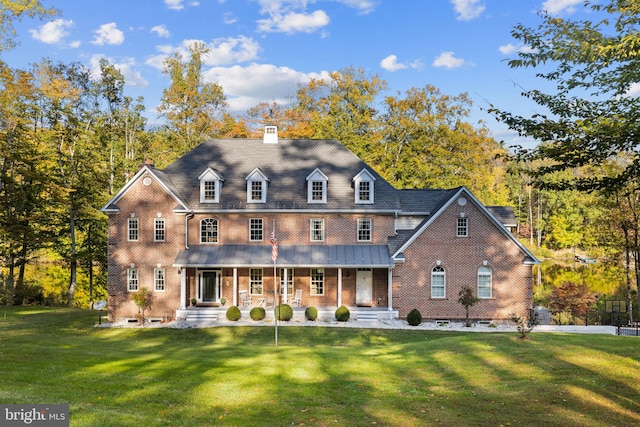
360	229
252	229
131	230
256	176
157	279
253	282
364	176
439	272
210	176
157	230
316	280
217	231
290	283
485	274
133	278
462	226
319	221
317	177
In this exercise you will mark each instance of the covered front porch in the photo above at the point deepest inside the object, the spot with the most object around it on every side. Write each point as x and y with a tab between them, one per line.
327	276
363	314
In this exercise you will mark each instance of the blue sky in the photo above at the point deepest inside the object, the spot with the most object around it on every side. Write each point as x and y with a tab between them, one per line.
262	49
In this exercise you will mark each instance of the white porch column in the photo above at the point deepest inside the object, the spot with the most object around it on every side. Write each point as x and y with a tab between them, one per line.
390	292
183	287
339	286
235	286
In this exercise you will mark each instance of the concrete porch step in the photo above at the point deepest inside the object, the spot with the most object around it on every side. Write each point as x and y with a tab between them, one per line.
366	317
195	316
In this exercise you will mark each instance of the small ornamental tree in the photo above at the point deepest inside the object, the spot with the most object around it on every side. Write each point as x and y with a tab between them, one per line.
414	318
573	298
467	299
142	298
524	324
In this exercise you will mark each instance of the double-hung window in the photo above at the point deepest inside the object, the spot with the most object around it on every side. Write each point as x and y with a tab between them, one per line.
363	184
317	230
159	231
317	281
132	229
158	279
462	227
210	186
132	279
317	187
438	282
256	187
364	229
286	276
485	284
256	233
255	281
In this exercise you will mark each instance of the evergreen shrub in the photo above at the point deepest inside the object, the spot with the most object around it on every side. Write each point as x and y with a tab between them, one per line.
311	313
414	318
342	314
284	312
233	313
257	313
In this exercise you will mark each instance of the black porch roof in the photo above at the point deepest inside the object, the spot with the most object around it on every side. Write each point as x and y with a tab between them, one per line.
366	256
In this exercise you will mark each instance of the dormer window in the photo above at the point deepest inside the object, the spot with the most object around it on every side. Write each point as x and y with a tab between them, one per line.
317	187
256	187
210	186
364	187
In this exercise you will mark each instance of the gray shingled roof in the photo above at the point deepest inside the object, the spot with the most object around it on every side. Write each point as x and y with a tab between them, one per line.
288	256
504	214
286	164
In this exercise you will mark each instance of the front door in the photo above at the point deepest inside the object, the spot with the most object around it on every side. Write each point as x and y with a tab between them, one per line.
209	286
364	287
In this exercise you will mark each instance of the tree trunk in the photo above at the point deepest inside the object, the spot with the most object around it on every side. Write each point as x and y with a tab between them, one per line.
74	261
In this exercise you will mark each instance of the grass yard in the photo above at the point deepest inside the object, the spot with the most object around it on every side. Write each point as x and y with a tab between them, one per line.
315	377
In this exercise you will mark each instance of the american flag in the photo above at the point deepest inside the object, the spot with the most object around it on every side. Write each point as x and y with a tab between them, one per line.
274	247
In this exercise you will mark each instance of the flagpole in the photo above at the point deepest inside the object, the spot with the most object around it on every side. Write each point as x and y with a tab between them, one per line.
274	257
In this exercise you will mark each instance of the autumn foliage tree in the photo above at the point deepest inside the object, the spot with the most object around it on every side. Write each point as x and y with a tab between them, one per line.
573	298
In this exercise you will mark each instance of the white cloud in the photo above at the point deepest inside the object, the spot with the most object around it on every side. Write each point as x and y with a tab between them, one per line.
52	32
555	7
294	22
390	63
174	4
508	49
161	31
364	6
229	18
108	34
448	60
245	87
222	51
633	91
467	9
75	44
126	67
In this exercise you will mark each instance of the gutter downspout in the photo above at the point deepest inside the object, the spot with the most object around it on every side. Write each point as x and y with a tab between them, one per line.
187	217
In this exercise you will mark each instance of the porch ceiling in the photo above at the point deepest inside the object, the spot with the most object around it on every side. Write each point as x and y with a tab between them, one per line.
365	256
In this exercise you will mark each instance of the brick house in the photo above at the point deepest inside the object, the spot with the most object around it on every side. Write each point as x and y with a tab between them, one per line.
200	229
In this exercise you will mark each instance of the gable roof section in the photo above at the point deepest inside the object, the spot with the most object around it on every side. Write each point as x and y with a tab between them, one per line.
160	178
287	164
444	203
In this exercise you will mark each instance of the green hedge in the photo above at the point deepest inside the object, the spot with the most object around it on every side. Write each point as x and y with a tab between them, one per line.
414	318
284	312
311	313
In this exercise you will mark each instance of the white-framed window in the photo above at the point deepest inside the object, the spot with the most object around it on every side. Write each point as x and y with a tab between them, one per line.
159	231
364	229
132	279
256	187
363	184
210	186
158	279
256	230
132	229
255	281
317	281
286	276
209	230
462	227
317	187
438	282
317	230
485	282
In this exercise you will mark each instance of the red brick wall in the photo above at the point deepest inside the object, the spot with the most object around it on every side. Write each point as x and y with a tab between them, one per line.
461	257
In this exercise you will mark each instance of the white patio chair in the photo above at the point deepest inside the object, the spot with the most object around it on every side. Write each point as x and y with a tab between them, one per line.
297	300
245	300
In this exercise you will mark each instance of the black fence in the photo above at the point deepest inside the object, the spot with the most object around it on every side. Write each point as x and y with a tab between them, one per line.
629	330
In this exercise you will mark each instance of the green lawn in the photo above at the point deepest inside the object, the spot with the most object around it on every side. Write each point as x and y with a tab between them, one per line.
315	377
